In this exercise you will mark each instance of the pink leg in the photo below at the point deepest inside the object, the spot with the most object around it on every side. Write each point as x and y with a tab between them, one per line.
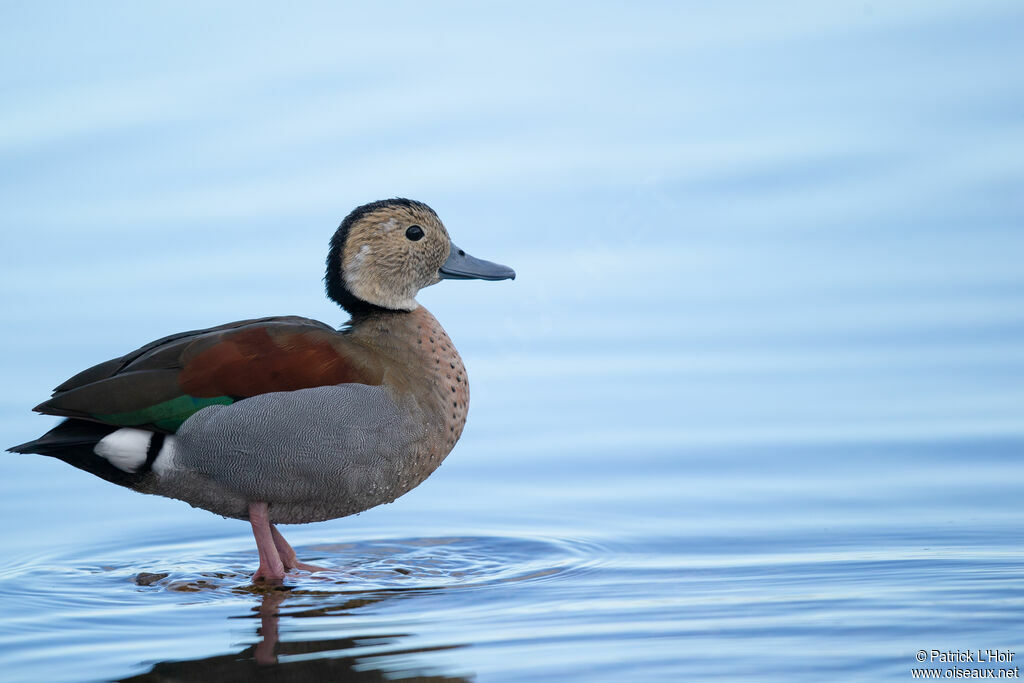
271	566
287	554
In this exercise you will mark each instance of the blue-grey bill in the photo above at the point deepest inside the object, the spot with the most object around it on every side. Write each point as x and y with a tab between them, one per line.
462	266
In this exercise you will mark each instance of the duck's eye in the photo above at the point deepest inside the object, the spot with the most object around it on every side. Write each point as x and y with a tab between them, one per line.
414	232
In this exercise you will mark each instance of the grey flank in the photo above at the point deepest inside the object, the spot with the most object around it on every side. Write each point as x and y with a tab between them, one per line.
312	454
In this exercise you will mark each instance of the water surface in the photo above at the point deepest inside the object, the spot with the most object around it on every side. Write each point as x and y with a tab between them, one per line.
752	407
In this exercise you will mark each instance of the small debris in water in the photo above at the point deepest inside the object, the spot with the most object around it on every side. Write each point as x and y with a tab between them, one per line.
148	578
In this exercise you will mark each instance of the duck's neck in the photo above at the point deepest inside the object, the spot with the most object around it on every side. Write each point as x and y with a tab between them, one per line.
431	368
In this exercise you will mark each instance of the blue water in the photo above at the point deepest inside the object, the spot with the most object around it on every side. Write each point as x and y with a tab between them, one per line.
752	408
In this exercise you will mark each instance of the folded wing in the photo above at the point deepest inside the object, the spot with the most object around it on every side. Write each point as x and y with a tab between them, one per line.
161	384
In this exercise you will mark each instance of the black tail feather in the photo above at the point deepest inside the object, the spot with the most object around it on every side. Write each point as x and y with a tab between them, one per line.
68	433
73	441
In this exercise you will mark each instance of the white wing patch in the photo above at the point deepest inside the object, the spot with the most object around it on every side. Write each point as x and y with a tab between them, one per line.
125	449
165	458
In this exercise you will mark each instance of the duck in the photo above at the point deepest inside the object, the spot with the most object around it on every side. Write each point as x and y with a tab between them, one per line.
287	420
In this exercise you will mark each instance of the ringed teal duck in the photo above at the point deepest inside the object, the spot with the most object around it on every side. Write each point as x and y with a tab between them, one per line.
286	420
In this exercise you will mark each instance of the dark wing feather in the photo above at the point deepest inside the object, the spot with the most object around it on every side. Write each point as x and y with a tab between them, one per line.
161	384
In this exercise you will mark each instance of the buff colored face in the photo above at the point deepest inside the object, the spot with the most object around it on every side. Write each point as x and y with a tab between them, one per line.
392	253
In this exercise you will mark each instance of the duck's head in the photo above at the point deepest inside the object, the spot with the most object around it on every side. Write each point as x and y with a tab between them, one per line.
385	252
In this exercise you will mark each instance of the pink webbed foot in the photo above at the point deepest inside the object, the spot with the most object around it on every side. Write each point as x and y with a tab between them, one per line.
287	554
276	555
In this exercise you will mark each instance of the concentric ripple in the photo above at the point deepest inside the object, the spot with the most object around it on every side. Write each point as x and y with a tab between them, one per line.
378	564
359	604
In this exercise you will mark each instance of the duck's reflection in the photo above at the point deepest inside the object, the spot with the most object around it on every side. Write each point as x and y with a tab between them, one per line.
272	659
265	651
